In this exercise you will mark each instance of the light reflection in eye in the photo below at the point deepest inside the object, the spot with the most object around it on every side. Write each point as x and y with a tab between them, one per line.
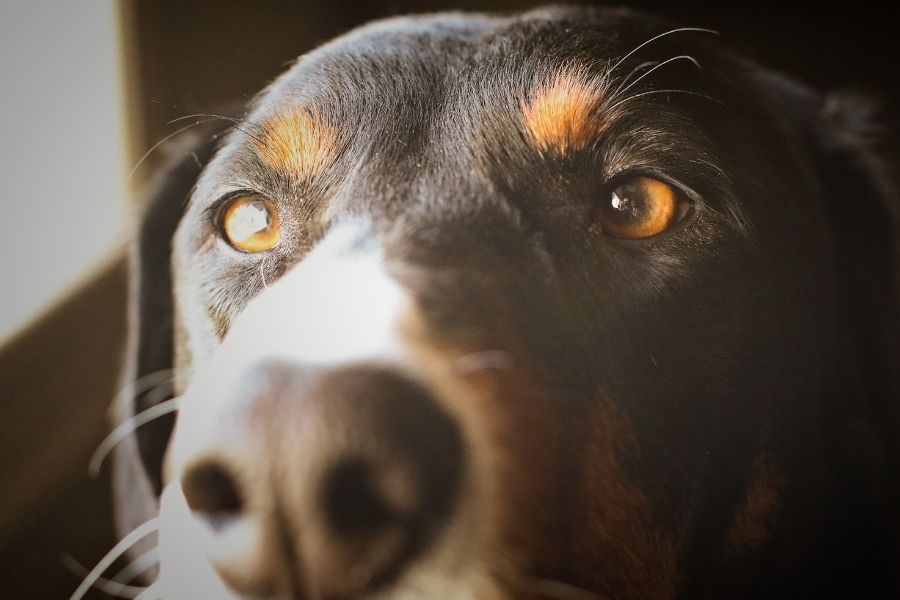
251	224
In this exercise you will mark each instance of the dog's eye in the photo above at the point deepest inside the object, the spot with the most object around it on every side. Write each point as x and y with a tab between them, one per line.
251	224
639	208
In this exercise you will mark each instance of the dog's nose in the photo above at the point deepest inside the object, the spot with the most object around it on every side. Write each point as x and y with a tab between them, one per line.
324	484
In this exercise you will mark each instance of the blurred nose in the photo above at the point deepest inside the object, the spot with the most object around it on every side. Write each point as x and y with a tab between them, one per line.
323	483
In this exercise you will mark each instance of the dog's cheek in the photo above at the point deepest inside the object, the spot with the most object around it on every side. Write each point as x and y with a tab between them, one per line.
182	355
636	556
203	306
194	331
523	446
552	488
516	503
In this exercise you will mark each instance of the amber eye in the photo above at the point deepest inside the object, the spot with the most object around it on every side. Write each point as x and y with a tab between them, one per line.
639	208
251	224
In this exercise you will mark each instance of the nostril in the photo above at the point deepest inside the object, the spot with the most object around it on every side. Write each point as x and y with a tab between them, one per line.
354	501
211	491
385	480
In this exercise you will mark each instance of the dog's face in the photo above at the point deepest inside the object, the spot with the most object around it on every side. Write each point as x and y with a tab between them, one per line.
541	306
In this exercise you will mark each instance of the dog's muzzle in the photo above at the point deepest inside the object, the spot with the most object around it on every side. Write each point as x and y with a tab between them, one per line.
343	475
308	460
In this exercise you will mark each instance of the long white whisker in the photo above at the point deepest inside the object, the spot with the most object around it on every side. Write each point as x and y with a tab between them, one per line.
210	115
114	587
138	566
121	432
161	142
627	78
161	392
262	271
660	65
235	122
654	38
648	93
141	385
108	586
118	550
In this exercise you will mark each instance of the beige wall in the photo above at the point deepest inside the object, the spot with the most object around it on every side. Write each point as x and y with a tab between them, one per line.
62	154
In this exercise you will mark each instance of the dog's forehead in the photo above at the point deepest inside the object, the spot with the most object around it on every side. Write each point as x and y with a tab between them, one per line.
543	72
457	109
472	54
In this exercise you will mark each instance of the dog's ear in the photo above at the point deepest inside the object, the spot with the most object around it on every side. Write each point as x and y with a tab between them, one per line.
855	162
148	374
860	190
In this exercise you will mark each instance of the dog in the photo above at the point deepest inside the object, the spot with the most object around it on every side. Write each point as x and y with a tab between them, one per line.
574	303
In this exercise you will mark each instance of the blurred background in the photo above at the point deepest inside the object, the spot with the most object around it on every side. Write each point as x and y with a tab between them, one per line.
87	89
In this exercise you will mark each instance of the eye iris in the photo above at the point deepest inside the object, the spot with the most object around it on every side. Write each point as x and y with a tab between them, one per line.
251	224
639	208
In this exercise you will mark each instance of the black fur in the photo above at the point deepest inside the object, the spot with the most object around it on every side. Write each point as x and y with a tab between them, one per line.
766	321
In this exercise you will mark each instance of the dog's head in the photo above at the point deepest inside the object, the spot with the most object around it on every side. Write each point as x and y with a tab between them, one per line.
569	304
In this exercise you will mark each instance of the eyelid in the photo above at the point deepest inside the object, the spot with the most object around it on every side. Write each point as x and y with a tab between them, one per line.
693	199
618	178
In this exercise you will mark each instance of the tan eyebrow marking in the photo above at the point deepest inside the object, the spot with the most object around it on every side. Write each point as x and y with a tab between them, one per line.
296	142
561	115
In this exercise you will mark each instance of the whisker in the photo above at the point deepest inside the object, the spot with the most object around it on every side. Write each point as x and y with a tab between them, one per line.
648	93
138	566
656	37
262	271
234	123
160	143
197	115
113	587
118	550
124	429
658	66
643	65
141	385
163	391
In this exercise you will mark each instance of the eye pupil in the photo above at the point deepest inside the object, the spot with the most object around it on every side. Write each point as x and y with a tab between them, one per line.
251	224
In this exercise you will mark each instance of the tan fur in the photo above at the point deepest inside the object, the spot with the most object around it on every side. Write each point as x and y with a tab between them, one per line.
296	142
561	116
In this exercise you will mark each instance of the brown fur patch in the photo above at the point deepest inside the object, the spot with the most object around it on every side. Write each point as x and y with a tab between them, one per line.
618	531
537	510
296	142
513	513
753	519
561	116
